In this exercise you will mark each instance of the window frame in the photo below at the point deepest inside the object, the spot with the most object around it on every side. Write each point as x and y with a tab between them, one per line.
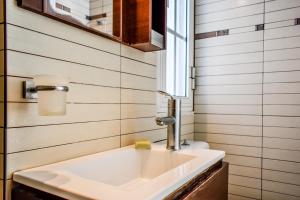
161	64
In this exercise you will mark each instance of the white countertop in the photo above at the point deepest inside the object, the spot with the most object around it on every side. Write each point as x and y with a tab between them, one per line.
108	175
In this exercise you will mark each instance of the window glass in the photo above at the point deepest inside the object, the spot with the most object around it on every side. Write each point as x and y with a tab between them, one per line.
181	67
177	48
171	14
170	79
181	18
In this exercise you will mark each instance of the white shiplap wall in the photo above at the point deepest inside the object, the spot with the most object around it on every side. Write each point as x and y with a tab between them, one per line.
281	144
247	95
112	98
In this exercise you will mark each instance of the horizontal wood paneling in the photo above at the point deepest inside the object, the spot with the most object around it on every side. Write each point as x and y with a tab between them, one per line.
33	158
232	59
247	161
137	111
282	177
230	39
228	119
229	109
26	65
281	132
133	82
247	95
138	96
237	197
281	141
138	125
229	89
230	14
277	196
228	99
237	149
22	139
230	139
49	46
223	5
245	181
154	135
279	165
80	93
249	192
281	188
230	129
22	114
229	69
139	68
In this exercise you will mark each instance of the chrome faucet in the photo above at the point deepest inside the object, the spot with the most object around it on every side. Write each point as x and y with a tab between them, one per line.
173	121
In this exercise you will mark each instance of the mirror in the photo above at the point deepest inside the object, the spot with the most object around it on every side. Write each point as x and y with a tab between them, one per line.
102	17
97	15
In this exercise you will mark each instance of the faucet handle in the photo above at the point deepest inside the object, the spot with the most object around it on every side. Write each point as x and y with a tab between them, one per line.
165	93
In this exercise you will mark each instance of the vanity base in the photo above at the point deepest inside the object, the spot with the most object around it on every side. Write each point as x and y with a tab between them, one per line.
23	192
209	185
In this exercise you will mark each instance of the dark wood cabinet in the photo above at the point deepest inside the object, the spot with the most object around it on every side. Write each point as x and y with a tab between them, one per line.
209	185
144	24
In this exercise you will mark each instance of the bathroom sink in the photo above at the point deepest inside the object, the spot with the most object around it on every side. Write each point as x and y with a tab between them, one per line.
124	173
129	167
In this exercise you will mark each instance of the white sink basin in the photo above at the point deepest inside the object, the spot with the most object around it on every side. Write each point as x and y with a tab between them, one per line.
124	173
128	166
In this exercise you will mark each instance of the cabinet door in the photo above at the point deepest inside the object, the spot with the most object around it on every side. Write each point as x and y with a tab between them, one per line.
214	188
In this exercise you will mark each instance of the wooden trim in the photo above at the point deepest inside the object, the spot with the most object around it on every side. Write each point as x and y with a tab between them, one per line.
211	34
200	36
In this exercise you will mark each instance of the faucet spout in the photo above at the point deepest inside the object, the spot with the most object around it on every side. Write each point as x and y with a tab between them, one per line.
160	121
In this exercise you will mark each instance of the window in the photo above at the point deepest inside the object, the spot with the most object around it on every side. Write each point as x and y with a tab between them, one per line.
177	53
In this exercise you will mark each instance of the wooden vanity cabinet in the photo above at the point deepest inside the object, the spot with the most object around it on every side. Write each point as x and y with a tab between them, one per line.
144	24
209	185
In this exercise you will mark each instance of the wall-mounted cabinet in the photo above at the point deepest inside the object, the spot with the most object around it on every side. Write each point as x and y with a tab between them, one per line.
137	23
144	24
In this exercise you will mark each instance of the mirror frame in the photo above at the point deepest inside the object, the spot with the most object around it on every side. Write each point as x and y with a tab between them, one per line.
42	7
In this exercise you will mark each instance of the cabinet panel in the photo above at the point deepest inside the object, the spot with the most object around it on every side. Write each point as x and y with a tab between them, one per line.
209	185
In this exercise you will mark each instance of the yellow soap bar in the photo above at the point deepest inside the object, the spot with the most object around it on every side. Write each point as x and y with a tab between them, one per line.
143	144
